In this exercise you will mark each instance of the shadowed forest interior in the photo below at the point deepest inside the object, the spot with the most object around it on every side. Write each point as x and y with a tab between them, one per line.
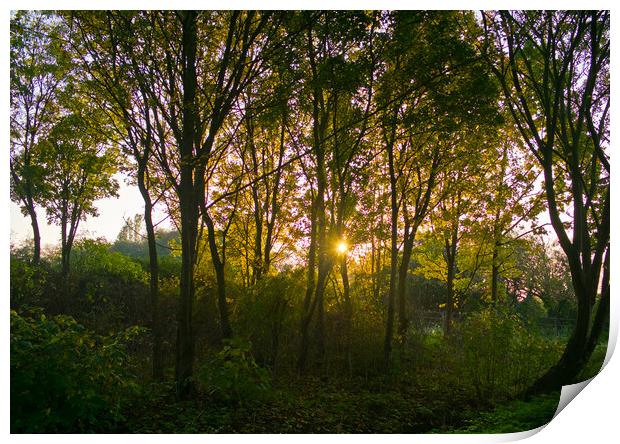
353	221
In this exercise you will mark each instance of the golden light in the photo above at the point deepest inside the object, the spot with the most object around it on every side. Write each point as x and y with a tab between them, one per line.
342	247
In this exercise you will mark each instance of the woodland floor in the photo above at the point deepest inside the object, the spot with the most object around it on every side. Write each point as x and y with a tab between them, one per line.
346	405
315	406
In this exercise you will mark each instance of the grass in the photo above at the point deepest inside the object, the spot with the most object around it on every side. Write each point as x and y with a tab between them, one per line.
515	416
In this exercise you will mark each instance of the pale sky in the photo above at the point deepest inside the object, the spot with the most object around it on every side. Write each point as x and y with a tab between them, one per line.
112	212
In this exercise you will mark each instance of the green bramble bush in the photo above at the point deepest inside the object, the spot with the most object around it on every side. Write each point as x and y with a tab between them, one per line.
64	378
233	375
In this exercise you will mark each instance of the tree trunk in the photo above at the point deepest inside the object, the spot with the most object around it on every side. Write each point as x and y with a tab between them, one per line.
318	129
602	313
36	235
575	354
257	269
348	310
320	307
64	253
185	336
308	308
188	212
449	300
450	254
378	272
373	271
158	367
257	266
389	327
218	266
403	321
267	249
271	220
494	274
323	261
344	274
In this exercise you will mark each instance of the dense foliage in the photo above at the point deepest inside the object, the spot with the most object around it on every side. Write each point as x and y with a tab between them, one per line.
64	378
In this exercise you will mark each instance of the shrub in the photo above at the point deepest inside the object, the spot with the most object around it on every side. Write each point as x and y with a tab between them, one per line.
108	291
500	357
28	283
64	378
266	315
233	375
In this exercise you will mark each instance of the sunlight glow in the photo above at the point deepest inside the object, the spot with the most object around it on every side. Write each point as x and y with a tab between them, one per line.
342	247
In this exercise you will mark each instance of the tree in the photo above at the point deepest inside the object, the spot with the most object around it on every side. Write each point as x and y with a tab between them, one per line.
194	89
510	201
131	230
116	79
540	270
329	53
263	153
423	103
79	168
38	67
250	39
554	72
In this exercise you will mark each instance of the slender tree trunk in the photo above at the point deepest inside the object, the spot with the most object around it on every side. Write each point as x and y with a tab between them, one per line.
188	212
308	308
36	235
389	327
320	307
602	313
257	266
348	310
267	249
323	253
158	367
257	269
346	289
318	129
271	220
403	321
64	253
450	253
378	271
449	300
497	230
247	275
373	272
29	205
158	359
218	266
494	273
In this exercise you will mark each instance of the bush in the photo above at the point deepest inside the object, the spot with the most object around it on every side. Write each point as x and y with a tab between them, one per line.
28	283
233	375
500	357
108	291
265	315
64	378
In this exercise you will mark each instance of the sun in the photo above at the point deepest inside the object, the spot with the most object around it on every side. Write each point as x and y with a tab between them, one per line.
342	247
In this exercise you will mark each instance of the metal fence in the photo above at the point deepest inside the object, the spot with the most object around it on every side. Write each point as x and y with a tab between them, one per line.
551	326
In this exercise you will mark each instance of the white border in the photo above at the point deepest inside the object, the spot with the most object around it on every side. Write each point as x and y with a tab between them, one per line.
592	418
